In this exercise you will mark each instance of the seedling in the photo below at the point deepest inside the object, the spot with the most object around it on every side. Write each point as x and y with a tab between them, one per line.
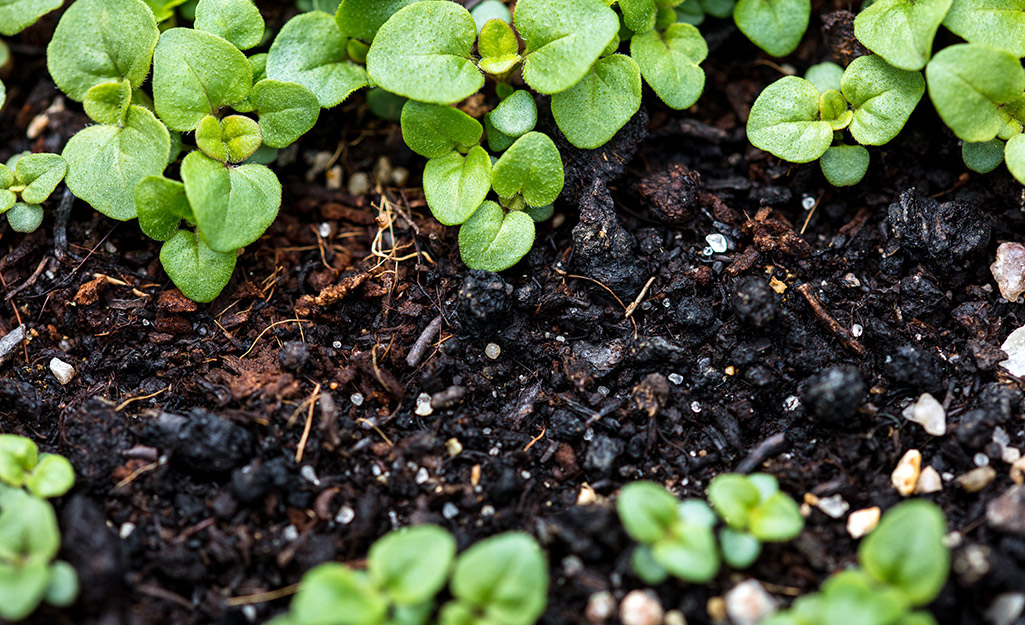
502	580
755	511
775	26
26	181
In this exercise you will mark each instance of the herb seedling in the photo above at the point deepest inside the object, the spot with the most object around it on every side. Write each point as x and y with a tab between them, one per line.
26	181
755	511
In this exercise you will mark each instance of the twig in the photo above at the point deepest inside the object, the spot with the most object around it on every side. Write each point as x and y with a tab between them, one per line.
262	597
417	352
265	330
832	324
640	296
122	405
31	279
309	424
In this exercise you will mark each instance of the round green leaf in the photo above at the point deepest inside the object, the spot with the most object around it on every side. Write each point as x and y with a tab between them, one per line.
639	15
907	550
739	549
199	272
901	31
516	115
777	518
498	47
967	84
238	21
63	588
825	76
983	157
310	51
455	185
882	97
105	162
844	165
498	141
40	173
22	587
505	576
108	103
532	166
690	12
1014	154
17	15
331	591
423	53
784	120
162	205
697	512
7	197
689	553
564	38
100	41
997	23
18	456
362	18
669	63
775	26
195	73
592	111
233	205
28	528
25	217
490	10
734	497
646	510
493	239
645	567
52	477
434	130
232	139
412	565
287	111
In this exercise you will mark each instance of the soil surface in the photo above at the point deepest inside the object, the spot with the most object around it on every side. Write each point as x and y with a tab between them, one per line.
355	377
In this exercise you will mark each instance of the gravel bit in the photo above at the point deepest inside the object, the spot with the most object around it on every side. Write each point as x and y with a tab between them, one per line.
748	603
928	413
861	522
1006	513
600	607
641	607
1006	608
905	476
1009	270
929	482
977	479
1014	347
62	370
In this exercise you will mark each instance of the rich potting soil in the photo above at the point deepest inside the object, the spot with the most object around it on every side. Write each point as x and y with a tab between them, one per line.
355	377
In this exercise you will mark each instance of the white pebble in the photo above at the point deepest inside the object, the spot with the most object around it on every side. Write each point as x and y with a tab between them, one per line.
695	407
333	178
126	530
929	482
290	534
905	475
449	510
863	521
487	510
359	184
336	344
1014	347
345	515
1009	270
980	459
676	378
356	399
309	474
324	230
748	603
928	413
492	351
857	330
249	611
600	607
834	506
717	242
807	202
62	370
422	475
1006	608
791	403
641	607
423	405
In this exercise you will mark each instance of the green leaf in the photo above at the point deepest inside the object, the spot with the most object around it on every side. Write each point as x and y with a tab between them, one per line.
669	63
17	15
434	130
162	205
232	139
259	64
233	205
424	53
195	73
688	553
22	587
777	518
7	197
983	157
3	94
384	105
719	8
63	588
363	18
646	510
844	165
996	23
850	598
498	47
163	10
498	141
882	97
533	167
505	577
25	217
645	567
40	173
87	50
564	38
901	31
455	185
516	115
920	617
833	109
199	272
1014	154
540	213
331	593
592	111
18	456
287	111
310	51
739	549
967	84
690	12
108	103
357	51
697	512
490	10
734	497
52	477
784	120
825	76
28	528
412	565
907	550
493	239
238	21
106	162
639	15
775	26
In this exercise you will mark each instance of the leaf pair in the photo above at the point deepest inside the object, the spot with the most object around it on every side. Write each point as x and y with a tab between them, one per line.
21	465
25	183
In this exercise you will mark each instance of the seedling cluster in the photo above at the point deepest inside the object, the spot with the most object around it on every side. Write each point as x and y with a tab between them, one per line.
678	538
501	580
977	88
29	537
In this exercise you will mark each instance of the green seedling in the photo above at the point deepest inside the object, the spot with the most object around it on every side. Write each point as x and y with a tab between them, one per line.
775	26
499	581
202	83
26	181
903	565
29	537
755	511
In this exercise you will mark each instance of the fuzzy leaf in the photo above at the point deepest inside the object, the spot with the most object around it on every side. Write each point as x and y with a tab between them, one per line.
7	197
40	173
498	48
516	115
669	63
434	130
199	272
238	21
455	186
18	456
490	10
1014	154
844	165
531	166
784	120
287	111
161	205
907	550
564	38
901	31
689	553
592	111
108	103
232	139
100	41
997	23
777	518
825	76
412	564
330	590
882	96
105	162
775	26
734	497
423	53
363	18
17	15
385	105
983	157
739	549
967	84
504	577
495	240
639	15
52	477
310	51
647	511
63	588
22	588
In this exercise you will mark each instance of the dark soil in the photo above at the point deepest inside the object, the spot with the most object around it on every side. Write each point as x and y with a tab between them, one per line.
224	449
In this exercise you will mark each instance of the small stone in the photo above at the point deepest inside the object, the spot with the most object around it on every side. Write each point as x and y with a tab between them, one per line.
290	533
600	607
674	617
449	510
309	474
1009	270
586	496
62	370
400	176
423	405
333	178
977	479
1018	471
10	341
861	522
1007	512
928	413
834	506
641	607
748	603
359	184
905	475
717	242
383	170
1014	347
1006	608
422	475
716	608
345	515
676	378
492	351
980	459
356	399
453	447
928	482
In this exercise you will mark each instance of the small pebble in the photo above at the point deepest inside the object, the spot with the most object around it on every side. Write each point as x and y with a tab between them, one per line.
572	566
1014	347
359	184
492	351
333	178
423	405
807	202
453	447
1006	513
861	522
356	399
400	176
586	496
345	515
600	607
126	530
905	475
422	475
487	510
857	330
676	378
309	474
249	611
1018	471
1009	270
980	459
977	479
928	482
834	506
290	534
748	603
324	230
641	607
717	242
62	370
928	413
674	617
1006	608
449	510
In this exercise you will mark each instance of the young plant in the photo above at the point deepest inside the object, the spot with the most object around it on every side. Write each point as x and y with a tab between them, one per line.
29	537
502	580
202	83
755	511
26	181
904	565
